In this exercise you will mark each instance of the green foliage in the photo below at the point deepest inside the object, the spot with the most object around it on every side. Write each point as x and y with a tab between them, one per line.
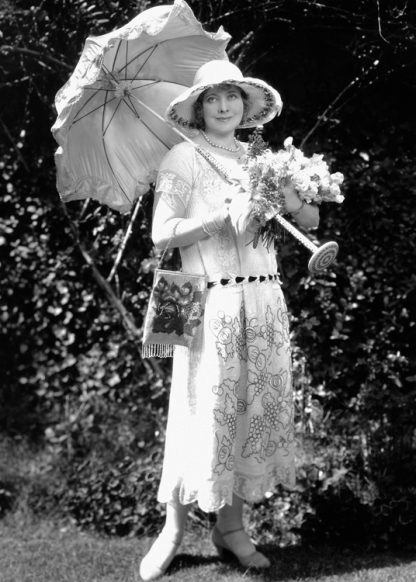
72	377
116	498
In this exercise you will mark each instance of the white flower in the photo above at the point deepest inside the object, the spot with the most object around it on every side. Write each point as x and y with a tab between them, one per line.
301	180
288	142
314	187
324	184
337	177
334	190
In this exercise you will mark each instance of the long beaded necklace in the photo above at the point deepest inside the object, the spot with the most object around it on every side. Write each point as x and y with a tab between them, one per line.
221	147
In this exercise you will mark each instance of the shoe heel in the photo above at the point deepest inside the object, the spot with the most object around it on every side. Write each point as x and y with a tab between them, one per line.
220	550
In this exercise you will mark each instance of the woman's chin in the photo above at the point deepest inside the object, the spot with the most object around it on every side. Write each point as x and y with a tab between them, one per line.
222	127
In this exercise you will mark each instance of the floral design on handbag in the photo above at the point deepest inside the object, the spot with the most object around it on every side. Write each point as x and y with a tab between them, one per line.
178	308
175	312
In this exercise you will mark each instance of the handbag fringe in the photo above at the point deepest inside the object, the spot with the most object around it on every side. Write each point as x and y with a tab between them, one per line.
158	350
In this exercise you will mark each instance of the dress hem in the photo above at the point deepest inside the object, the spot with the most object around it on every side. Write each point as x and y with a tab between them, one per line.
187	497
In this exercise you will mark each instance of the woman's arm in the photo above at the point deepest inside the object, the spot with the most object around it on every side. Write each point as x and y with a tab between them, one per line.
170	228
306	215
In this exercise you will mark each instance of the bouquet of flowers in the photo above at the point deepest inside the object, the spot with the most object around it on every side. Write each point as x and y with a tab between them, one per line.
271	172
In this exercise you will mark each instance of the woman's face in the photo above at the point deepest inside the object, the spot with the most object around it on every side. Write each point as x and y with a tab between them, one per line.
222	109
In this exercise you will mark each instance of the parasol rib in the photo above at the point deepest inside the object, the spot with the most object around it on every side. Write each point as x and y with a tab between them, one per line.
148	57
127	56
106	154
112	116
92	110
98	89
149	84
116	55
132	109
110	73
144	123
152	48
77	118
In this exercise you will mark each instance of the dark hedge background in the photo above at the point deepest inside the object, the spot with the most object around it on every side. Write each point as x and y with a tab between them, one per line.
81	416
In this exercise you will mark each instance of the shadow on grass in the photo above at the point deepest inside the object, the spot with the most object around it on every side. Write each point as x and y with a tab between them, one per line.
184	560
300	563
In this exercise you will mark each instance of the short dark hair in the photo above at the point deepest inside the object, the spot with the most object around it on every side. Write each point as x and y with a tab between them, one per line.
198	117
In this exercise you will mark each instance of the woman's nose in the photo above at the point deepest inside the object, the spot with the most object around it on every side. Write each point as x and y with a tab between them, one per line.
222	104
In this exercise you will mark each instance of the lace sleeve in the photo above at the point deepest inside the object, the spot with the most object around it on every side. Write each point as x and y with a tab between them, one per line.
173	190
176	176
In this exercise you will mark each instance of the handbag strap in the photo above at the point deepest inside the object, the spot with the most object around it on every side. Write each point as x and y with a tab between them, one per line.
165	250
224	174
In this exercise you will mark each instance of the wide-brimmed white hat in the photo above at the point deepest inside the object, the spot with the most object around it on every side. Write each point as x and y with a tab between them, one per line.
264	102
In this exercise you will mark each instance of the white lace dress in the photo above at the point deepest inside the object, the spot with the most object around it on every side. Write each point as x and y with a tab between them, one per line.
230	421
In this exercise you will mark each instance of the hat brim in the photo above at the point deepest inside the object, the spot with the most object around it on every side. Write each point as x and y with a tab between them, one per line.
264	103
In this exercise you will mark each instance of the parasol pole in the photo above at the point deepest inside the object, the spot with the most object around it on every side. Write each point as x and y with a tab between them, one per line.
322	256
125	239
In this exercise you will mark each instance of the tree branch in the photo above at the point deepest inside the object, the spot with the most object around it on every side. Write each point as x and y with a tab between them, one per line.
5	48
129	325
17	150
379	23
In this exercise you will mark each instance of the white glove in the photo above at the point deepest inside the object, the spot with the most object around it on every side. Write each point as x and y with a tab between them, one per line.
241	214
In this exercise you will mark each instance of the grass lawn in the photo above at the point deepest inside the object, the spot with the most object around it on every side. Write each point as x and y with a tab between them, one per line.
47	552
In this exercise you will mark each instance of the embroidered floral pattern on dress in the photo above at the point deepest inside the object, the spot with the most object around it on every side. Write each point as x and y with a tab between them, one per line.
226	253
270	332
225	456
283	319
265	403
226	329
256	384
231	335
228	416
171	189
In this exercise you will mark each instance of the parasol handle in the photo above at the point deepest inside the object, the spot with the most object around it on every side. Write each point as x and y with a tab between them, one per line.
156	114
322	256
296	233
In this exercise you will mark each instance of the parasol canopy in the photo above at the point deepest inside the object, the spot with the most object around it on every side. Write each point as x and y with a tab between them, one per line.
110	141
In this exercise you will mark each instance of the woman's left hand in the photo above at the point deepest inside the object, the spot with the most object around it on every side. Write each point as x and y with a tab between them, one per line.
241	214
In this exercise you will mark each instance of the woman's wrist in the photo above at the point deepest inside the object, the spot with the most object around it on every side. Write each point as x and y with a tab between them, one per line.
297	210
215	221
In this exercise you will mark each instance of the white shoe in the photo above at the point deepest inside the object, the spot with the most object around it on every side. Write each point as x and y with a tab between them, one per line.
158	558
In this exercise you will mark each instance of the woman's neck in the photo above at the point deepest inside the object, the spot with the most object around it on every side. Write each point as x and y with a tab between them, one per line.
226	141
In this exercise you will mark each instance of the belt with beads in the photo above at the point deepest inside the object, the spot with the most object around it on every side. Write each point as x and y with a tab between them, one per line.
247	279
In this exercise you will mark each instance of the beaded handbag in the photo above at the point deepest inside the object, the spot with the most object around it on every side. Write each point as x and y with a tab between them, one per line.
175	312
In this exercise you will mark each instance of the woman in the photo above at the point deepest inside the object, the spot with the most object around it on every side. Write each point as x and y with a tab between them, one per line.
230	424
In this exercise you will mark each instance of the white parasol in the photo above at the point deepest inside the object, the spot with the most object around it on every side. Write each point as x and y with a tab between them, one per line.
111	142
